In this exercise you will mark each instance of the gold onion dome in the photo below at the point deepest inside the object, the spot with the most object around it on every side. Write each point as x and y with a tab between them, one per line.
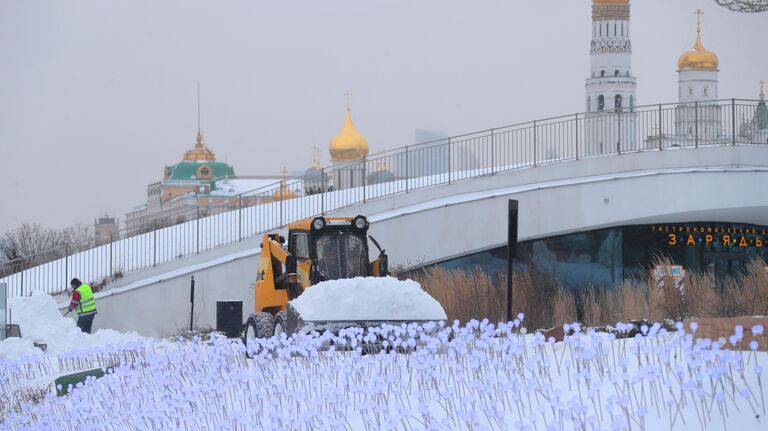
199	152
349	144
283	193
698	58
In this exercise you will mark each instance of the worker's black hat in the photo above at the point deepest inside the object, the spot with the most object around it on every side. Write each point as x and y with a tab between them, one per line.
75	283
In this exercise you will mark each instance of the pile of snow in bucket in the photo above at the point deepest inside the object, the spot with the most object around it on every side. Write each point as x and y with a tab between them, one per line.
370	299
41	321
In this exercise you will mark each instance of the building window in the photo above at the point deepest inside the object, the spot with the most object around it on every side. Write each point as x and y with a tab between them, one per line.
600	102
631	103
602	74
617	102
705	91
690	91
616	72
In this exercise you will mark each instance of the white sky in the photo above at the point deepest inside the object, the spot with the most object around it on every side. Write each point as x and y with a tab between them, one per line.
97	96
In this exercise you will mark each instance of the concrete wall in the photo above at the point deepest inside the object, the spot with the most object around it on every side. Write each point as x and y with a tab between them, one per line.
157	304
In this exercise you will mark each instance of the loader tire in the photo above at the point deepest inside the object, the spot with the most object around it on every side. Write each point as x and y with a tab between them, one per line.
281	323
265	325
260	325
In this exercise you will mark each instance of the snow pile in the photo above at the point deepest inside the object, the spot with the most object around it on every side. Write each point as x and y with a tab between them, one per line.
41	321
373	299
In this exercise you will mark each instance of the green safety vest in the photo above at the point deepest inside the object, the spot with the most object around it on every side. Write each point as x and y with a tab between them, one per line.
87	301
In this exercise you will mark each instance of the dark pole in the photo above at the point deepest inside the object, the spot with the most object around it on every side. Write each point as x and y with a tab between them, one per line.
192	302
511	250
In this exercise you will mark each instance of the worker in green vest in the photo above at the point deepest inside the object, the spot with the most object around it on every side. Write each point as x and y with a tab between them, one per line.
83	303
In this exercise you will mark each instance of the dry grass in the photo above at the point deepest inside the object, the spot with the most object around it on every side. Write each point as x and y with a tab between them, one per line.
467	295
563	310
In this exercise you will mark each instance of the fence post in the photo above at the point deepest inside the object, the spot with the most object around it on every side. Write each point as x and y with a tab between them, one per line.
282	198
22	284
733	121
577	135
696	124
239	217
197	229
407	175
154	247
111	261
66	266
493	170
449	160
534	143
365	175
322	191
661	133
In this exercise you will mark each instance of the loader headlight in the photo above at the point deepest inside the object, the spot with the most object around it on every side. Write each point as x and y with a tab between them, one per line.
318	223
361	222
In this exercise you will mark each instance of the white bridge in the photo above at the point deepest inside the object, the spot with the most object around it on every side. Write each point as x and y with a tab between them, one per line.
420	220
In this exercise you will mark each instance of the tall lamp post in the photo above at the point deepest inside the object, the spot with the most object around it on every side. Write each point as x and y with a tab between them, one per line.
511	251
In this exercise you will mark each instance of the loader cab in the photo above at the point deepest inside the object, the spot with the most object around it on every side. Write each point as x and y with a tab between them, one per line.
337	247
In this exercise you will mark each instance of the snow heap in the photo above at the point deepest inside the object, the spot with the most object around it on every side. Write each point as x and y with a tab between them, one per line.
372	299
41	321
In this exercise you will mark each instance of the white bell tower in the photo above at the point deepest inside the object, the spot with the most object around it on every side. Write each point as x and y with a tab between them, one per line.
698	117
611	88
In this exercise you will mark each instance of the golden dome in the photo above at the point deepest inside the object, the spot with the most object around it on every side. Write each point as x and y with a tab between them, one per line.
698	58
199	152
349	144
283	193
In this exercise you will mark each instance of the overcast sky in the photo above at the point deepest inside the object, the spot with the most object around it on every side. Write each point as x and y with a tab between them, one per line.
97	96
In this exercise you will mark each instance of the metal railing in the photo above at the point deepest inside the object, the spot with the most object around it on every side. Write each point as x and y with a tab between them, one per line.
215	221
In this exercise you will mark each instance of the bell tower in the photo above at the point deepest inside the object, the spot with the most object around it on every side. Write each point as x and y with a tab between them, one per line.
611	88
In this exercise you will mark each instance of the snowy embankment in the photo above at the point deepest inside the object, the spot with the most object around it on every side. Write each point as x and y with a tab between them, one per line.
371	299
41	321
436	377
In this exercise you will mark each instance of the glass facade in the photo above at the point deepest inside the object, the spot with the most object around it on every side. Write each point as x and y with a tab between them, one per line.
605	257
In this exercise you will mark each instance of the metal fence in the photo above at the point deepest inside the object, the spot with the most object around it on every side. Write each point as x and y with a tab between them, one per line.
224	220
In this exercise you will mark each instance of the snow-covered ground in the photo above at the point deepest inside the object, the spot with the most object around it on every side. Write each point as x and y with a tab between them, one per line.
418	376
41	321
479	376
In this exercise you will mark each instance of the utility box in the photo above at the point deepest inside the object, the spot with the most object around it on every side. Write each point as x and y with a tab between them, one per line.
229	318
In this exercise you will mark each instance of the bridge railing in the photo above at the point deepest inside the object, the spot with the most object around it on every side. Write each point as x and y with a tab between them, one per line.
191	224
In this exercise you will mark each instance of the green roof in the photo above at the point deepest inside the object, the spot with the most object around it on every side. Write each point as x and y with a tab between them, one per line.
187	170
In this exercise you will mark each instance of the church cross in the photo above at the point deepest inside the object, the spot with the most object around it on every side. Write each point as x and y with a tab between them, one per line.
346	96
698	14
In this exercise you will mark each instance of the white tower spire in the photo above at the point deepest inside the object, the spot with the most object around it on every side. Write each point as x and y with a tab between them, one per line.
611	88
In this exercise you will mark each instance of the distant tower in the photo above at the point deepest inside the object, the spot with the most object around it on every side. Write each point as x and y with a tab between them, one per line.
106	229
348	150
697	117
611	88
